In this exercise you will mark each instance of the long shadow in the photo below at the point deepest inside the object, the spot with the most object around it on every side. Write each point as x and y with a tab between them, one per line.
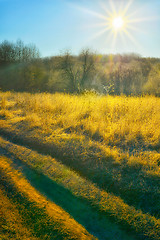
144	201
33	217
95	222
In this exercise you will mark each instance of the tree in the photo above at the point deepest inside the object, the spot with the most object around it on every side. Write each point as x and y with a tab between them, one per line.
7	52
78	70
87	70
15	60
17	52
153	84
70	70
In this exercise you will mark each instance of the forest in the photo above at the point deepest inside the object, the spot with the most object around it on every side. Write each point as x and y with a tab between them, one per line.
23	69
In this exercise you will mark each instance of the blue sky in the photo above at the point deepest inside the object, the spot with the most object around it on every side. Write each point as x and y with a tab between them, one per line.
56	25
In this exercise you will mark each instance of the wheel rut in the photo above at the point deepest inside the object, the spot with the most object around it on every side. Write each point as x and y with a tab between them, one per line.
95	222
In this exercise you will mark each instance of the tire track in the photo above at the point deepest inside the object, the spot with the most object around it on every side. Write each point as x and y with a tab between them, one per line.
95	222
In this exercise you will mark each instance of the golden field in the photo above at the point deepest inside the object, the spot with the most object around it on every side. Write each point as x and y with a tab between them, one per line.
85	162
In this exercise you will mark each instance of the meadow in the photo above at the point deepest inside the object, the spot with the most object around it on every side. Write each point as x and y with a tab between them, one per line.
79	166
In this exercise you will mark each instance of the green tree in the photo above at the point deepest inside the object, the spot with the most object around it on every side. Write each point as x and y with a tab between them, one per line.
153	84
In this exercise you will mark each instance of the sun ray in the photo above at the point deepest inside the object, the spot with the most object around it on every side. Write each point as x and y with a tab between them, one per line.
109	13
131	38
123	39
112	7
118	21
96	25
101	16
114	39
110	35
99	33
146	19
127	7
136	29
139	12
135	13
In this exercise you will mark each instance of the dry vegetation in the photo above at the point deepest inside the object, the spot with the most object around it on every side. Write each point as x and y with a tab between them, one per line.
102	153
33	211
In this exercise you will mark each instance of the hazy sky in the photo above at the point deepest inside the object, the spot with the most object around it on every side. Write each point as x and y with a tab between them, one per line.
56	25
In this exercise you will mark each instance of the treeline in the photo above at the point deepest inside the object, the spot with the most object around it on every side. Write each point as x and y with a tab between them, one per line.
22	69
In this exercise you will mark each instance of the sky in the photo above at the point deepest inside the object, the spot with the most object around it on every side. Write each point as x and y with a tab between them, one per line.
58	25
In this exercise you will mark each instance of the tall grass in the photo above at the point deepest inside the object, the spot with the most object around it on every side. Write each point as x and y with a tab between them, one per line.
121	121
33	215
112	141
107	203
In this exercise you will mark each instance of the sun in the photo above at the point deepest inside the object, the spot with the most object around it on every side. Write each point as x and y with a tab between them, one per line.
118	23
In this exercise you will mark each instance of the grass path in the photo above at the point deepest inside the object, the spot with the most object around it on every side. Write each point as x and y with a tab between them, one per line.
94	222
42	218
64	187
78	209
138	184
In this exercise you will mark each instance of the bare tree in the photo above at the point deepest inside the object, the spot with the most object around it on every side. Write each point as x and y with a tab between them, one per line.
78	70
70	70
87	66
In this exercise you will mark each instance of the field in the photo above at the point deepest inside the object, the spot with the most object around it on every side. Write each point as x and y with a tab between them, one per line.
79	167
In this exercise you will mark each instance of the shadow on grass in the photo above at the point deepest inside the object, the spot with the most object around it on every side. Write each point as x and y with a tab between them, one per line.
144	200
34	218
95	222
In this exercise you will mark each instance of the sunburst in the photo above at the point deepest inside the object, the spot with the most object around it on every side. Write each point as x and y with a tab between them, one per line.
118	21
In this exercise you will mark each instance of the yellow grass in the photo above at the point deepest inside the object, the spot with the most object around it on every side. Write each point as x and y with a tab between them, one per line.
63	223
114	142
121	121
105	202
11	221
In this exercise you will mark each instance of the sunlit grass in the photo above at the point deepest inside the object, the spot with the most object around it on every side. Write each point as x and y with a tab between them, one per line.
82	188
11	221
112	141
43	218
118	121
